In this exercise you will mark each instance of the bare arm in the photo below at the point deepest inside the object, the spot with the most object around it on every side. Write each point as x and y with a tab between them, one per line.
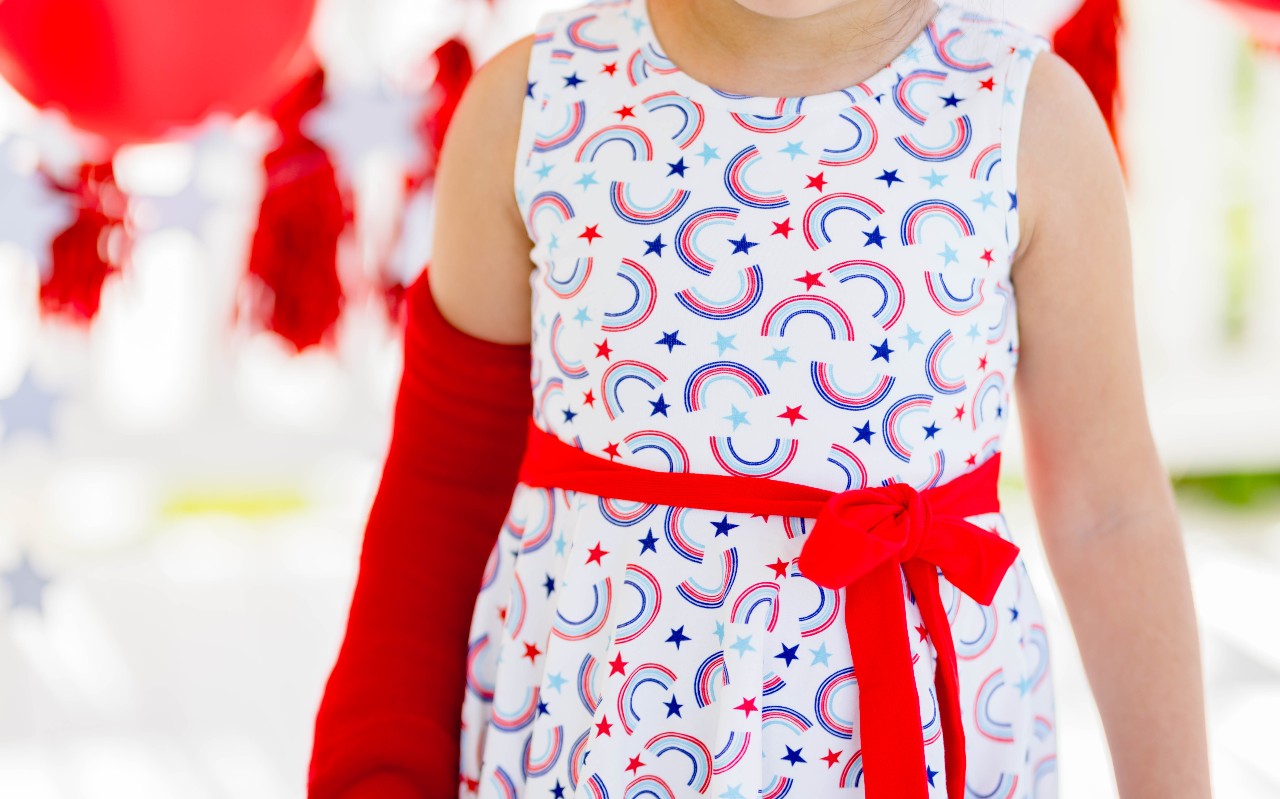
481	248
1101	494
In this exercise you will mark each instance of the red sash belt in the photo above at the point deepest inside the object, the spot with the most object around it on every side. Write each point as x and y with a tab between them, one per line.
857	542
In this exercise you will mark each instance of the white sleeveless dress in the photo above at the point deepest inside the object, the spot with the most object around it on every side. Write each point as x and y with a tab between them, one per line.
814	289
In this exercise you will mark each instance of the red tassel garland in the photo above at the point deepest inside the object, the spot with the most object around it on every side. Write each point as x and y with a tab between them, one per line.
84	255
1088	41
293	258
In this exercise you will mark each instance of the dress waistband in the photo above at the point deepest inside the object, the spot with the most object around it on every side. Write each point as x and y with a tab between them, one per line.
857	542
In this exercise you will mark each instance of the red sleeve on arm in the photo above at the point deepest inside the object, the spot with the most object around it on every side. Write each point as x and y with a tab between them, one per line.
388	724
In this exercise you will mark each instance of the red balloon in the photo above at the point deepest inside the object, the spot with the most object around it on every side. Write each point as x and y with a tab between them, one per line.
130	70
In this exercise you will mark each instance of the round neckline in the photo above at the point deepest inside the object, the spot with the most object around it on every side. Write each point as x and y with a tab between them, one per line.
662	70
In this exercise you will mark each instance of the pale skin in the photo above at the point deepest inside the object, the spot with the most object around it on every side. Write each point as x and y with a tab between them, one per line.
1103	502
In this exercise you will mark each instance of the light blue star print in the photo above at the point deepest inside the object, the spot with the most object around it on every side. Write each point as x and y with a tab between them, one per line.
935	180
984	199
555	681
820	655
780	356
743	645
587	179
912	337
737	417
793	149
708	154
732	792
949	255
581	316
973	331
720	632
724	342
560	544
544	170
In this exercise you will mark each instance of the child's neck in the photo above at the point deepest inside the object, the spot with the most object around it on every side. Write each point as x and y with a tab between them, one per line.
820	46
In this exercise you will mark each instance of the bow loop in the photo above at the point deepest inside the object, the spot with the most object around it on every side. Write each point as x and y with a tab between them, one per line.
859	529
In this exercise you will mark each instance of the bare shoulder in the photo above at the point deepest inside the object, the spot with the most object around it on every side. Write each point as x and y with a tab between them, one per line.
1067	161
480	246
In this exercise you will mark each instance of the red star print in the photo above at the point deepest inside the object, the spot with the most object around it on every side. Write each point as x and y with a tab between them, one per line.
612	450
603	726
816	181
531	651
473	784
922	631
502	612
588	399
596	553
747	706
782	228
988	257
603	349
779	568
989	84
832	757
982	362
959	411
625	111
590	234
793	415
634	763
617	665
972	460
811	279
764	516
609	69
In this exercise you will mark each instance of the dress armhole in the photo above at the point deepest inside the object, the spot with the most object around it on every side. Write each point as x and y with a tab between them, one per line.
1017	75
545	33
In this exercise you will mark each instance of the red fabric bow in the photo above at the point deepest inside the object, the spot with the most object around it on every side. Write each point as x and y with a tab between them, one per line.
856	542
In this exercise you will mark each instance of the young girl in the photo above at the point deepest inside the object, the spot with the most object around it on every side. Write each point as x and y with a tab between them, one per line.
776	265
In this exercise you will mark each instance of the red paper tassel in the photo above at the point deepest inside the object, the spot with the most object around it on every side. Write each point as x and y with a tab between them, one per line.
1088	41
453	70
294	255
83	255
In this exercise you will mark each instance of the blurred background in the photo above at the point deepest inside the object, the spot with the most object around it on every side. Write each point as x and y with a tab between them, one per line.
186	464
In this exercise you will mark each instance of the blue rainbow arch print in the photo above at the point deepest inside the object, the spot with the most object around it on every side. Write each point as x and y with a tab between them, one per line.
988	398
676	528
695	751
642	302
945	49
990	722
927	212
939	380
688	242
712	674
865	138
913	407
631	210
957	134
750	290
850	465
848	399
627	137
832	315
519	716
581	35
778	458
712	596
753	596
736	182
570	367
541	760
985	163
566	129
818	215
481	650
592	621
701	380
648	786
645	673
571	284
832	703
692	115
883	278
649	593
734	750
619	373
950	301
663	443
910	91
588	683
547	208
